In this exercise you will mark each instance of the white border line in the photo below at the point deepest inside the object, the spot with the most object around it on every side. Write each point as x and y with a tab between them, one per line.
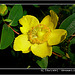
39	3
31	68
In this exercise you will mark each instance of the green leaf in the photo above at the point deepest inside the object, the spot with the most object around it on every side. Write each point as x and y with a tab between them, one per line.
7	37
64	57
58	50
56	57
54	8
71	49
36	6
25	12
73	11
9	8
7	20
71	28
13	53
0	43
15	14
69	25
3	9
43	63
72	8
1	21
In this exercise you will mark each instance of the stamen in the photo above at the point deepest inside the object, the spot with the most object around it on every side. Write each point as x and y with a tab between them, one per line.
39	34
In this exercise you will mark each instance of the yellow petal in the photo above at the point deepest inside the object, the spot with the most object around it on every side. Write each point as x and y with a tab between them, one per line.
24	29
57	36
41	50
54	18
21	43
27	22
47	21
50	51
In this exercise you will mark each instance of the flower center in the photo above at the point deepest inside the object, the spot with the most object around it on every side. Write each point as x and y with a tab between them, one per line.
39	34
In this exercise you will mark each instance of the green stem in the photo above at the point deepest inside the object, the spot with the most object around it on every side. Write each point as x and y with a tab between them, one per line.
43	13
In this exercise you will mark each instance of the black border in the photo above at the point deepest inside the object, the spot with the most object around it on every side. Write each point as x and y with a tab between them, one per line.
36	71
37	1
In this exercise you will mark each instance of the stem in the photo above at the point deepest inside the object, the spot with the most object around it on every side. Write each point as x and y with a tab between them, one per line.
28	66
56	54
73	35
70	39
11	28
14	31
43	13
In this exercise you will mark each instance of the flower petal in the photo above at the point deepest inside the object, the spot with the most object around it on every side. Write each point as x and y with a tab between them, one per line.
47	21
50	51
21	43
24	29
54	18
41	50
57	36
27	22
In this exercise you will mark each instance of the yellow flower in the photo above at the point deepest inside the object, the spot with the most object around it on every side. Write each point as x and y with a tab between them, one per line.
39	37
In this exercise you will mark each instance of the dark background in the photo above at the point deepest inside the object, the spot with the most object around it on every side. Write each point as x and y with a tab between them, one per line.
11	59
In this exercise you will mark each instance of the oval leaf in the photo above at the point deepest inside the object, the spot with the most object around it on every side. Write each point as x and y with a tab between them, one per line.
7	37
7	20
36	6
57	50
43	63
69	25
15	14
71	49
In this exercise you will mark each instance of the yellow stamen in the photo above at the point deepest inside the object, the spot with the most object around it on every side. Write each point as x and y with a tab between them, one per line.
39	34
